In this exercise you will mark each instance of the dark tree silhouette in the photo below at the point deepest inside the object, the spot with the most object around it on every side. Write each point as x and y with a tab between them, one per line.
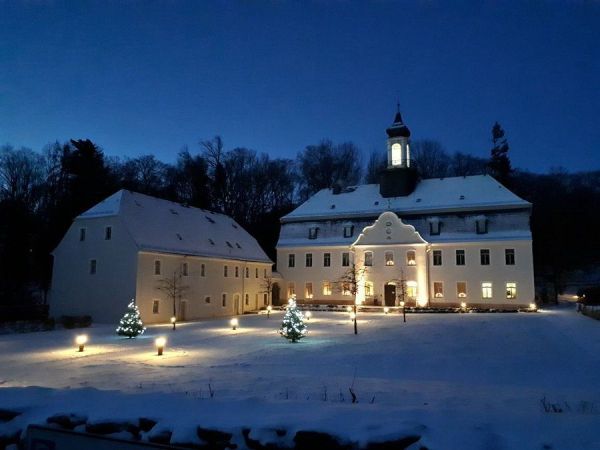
499	164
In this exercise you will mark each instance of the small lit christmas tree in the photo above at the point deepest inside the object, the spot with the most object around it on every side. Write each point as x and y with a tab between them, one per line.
293	326
131	324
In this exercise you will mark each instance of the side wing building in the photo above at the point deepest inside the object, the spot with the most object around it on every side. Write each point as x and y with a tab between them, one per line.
172	259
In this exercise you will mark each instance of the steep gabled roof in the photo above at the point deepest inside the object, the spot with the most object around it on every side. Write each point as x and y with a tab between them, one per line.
169	227
434	195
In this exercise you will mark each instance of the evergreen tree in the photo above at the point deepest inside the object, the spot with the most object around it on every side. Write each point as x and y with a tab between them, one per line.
131	324
500	163
293	326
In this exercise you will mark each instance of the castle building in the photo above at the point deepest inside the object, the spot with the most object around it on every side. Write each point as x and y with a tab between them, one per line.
429	242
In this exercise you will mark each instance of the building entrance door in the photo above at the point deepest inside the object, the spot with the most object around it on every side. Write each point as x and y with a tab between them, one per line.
390	295
236	303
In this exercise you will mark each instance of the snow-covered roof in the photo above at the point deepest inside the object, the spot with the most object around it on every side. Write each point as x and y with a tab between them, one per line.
169	227
434	195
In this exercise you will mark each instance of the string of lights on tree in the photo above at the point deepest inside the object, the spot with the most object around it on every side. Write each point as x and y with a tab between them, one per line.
131	324
293	327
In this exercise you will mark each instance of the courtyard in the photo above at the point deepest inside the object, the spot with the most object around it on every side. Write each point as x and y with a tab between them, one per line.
505	380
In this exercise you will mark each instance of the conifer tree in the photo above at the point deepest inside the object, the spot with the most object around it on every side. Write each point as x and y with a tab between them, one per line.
499	162
293	326
131	324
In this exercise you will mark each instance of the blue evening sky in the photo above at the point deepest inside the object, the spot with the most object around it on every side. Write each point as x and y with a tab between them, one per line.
140	77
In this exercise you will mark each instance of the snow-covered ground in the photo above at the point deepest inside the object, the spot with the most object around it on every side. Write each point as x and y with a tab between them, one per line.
457	380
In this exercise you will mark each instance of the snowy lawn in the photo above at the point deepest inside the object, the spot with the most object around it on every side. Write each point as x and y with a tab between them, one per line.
489	381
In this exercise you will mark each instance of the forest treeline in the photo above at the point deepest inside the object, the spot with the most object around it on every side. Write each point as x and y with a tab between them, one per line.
41	192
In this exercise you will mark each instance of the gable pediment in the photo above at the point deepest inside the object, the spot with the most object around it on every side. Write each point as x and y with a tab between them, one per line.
389	229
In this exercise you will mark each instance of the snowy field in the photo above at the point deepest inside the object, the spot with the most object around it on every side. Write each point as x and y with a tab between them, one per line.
468	381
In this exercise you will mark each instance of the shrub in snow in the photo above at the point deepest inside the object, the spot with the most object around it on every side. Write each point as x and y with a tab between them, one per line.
293	326
131	324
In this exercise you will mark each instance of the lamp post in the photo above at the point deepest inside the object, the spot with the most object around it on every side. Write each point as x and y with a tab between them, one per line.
81	341
355	320
386	310
160	345
403	310
174	322
234	324
269	308
308	315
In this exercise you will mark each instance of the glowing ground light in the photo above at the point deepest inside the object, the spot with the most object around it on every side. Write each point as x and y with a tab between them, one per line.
352	316
160	345
173	319
81	341
349	309
234	323
463	305
386	310
308	315
269	309
402	304
532	306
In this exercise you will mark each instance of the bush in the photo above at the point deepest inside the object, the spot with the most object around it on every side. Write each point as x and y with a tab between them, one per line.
70	322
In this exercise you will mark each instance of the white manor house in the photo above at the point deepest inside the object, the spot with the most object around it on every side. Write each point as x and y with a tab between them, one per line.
432	242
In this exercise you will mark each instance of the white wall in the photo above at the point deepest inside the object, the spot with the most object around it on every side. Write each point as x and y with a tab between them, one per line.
213	284
105	294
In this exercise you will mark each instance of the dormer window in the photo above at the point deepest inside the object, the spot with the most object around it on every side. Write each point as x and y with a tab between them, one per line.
348	231
209	219
175	213
434	226
312	232
481	225
229	244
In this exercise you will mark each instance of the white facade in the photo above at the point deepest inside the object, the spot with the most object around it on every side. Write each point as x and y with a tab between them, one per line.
446	241
132	243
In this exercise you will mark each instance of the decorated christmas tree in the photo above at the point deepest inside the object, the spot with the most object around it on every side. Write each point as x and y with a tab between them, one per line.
131	324
293	326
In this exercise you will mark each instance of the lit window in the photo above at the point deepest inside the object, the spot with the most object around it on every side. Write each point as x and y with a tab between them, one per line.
207	299
437	257
291	260
247	272
108	233
511	290
224	300
486	290
460	257
308	260
389	259
82	234
368	258
438	289
184	269
481	225
291	290
308	290
326	288
411	258
247	299
225	271
509	256
396	154
155	306
326	259
92	266
485	257
346	289
156	267
368	288
345	259
411	289
461	289
202	270
237	272
312	232
348	231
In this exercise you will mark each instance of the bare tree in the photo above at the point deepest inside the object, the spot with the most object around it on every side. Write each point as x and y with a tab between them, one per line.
430	158
173	288
21	175
349	282
267	288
